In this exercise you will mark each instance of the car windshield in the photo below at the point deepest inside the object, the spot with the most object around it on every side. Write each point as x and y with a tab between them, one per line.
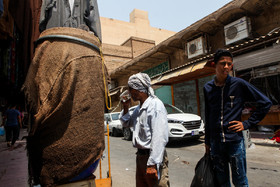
115	116
172	109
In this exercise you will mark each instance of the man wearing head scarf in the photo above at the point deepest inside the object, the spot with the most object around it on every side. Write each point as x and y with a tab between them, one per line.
150	132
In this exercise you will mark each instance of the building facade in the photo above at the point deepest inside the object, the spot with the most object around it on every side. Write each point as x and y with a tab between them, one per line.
122	41
117	32
248	28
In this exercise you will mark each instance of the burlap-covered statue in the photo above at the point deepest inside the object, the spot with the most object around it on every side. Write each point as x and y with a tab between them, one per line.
65	90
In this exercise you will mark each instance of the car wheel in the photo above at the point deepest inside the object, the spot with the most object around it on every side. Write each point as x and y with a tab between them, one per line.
114	132
127	134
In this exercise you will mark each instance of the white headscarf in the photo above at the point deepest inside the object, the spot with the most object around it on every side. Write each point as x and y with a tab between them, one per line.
142	83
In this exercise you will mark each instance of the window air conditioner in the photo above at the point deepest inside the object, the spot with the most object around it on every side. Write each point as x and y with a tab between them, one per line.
195	47
237	30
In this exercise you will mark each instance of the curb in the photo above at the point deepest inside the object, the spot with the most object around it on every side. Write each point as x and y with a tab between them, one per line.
265	142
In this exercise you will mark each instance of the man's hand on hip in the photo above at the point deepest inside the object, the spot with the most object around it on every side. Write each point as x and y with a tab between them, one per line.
236	126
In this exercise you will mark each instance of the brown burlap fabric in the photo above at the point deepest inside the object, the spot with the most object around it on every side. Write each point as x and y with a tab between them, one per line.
65	90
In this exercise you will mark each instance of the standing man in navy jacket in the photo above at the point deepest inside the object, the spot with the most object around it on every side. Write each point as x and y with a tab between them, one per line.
224	101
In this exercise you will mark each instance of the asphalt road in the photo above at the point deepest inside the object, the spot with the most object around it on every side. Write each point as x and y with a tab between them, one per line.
263	163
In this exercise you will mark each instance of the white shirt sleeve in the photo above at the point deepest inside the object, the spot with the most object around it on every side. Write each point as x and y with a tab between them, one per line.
159	128
125	119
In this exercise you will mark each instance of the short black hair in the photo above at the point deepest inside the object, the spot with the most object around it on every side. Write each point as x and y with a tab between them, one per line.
221	52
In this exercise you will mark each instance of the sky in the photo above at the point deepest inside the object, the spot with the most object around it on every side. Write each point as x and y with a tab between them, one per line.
173	15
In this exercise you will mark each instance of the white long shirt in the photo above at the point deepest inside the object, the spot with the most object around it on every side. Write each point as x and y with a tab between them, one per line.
150	128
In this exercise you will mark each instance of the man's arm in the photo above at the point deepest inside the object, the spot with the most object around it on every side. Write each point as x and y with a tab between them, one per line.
19	121
91	18
159	130
263	105
46	13
125	115
207	129
126	106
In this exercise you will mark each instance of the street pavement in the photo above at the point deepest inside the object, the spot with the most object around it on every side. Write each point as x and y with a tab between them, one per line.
263	162
14	163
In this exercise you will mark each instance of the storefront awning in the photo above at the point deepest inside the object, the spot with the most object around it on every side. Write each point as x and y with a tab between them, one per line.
189	72
257	58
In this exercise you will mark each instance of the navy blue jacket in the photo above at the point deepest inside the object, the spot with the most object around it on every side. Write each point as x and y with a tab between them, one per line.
225	104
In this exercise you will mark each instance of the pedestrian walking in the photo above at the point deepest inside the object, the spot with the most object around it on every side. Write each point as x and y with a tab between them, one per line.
224	101
12	125
150	132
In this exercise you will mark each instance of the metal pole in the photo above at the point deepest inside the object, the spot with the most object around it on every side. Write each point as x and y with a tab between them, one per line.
108	138
100	169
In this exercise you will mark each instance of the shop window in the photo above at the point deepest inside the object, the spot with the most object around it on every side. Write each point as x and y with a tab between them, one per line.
201	83
185	96
164	94
269	86
266	79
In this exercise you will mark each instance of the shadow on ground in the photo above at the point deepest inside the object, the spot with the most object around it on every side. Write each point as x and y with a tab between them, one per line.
184	143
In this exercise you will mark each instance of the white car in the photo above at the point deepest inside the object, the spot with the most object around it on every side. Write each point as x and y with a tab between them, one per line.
115	126
181	125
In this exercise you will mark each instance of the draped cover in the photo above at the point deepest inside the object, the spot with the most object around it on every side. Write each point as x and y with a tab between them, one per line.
64	88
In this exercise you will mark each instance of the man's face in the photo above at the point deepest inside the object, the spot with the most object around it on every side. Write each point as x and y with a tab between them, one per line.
134	94
224	66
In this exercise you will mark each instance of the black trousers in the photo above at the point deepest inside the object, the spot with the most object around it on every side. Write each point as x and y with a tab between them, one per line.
12	133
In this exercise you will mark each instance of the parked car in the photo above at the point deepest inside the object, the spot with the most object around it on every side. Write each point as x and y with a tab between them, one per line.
115	126
181	125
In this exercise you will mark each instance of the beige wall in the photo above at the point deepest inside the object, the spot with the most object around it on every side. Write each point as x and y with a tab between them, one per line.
117	32
115	56
123	41
138	45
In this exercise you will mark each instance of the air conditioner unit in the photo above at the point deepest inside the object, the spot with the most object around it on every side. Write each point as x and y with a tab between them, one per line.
195	47
237	30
